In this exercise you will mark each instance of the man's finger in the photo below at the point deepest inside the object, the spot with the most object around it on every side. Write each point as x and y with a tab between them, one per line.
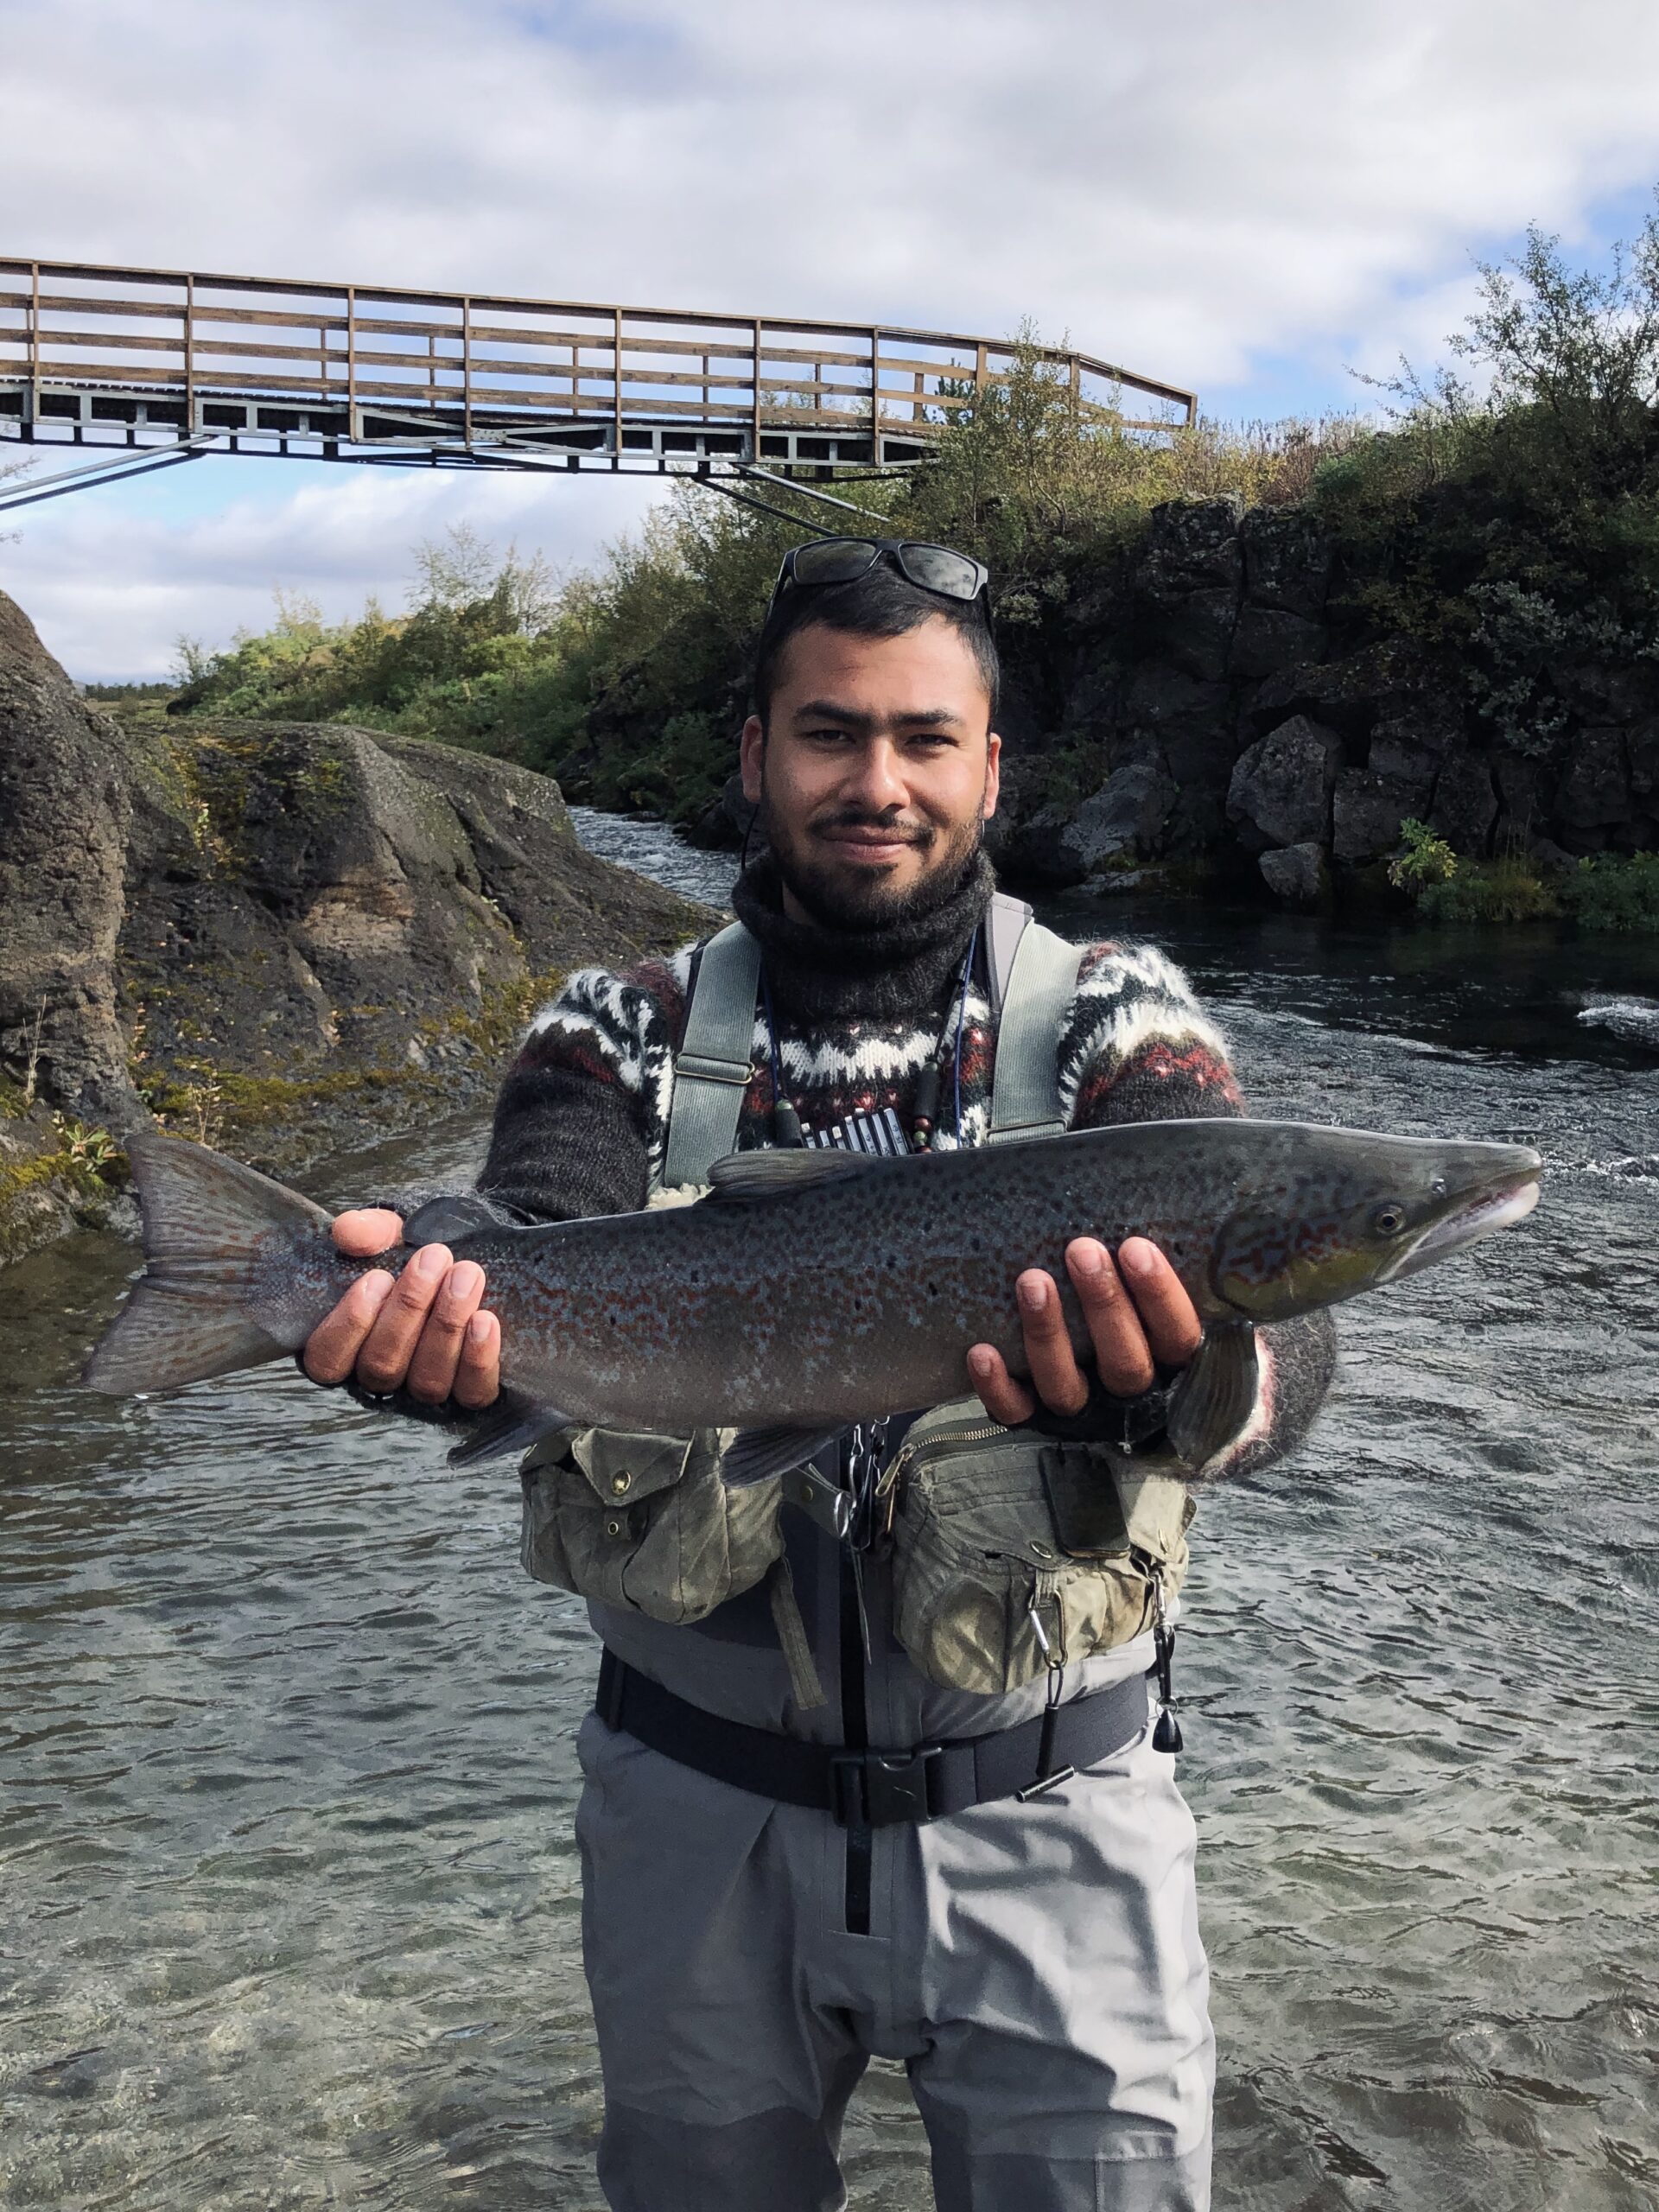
478	1379
1055	1375
384	1361
366	1230
1123	1355
1003	1398
437	1354
1173	1326
331	1348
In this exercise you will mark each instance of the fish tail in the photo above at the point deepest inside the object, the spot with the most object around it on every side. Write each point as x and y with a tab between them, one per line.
209	1225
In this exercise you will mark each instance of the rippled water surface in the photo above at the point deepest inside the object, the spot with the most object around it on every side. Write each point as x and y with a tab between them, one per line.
288	1913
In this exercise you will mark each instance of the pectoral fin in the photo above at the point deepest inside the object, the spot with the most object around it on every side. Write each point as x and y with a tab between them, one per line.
1213	1400
754	1453
513	1424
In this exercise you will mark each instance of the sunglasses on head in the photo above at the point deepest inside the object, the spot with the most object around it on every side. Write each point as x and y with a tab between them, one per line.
844	559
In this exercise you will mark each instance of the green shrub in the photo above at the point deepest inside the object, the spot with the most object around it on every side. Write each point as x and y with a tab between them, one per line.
1426	861
1610	893
1509	889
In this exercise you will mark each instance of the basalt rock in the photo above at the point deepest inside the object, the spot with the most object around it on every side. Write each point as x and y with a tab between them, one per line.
1465	803
1296	874
193	916
1126	816
1287	562
1279	791
1594	793
1366	811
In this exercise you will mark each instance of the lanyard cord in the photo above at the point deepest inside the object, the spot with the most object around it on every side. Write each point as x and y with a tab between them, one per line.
961	1017
786	1125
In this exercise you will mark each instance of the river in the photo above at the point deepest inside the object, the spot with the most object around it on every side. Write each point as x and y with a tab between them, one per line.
289	1910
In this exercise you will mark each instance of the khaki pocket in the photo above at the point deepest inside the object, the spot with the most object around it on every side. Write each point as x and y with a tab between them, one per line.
644	1523
980	1533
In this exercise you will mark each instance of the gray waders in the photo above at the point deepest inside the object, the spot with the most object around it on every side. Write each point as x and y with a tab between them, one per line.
1032	1959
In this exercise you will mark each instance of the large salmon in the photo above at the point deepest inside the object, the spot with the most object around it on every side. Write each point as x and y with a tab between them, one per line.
815	1288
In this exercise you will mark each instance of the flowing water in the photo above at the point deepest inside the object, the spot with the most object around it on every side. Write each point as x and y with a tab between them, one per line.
288	1913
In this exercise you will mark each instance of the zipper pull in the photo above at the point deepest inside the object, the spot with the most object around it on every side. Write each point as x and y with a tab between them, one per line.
1167	1736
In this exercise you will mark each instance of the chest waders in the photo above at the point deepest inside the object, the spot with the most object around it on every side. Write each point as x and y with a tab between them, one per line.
1013	1555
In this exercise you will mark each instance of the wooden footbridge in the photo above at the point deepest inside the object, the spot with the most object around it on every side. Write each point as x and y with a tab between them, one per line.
152	367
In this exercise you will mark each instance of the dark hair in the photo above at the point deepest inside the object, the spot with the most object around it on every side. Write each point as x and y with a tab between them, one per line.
881	604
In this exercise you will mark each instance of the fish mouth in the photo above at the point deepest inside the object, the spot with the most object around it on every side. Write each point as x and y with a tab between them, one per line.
1482	1215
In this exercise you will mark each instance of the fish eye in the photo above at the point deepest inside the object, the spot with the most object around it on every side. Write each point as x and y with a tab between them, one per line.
1389	1218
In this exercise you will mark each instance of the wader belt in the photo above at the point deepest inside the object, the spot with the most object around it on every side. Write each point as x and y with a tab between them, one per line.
873	1788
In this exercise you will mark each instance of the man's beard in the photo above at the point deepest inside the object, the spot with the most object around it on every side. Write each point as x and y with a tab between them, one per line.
842	901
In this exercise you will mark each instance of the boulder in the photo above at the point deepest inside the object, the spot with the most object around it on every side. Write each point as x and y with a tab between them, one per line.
1366	811
1280	792
1196	635
1296	874
1465	804
1268	638
1286	561
1031	849
722	825
1191	545
1125	816
1409	766
1594	791
189	906
1165	701
66	807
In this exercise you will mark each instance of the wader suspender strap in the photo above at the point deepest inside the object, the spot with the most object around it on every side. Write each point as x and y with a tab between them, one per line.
1032	975
1005	921
715	1062
1026	1081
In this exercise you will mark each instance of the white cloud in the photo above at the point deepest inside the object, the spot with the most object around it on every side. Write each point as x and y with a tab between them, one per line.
1188	189
111	583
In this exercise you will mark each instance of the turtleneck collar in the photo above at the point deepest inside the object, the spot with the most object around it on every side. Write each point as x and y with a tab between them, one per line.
818	974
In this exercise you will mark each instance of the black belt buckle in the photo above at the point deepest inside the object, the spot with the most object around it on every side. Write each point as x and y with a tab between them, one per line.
879	1789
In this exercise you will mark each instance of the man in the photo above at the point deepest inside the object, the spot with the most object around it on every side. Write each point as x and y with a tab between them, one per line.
767	1901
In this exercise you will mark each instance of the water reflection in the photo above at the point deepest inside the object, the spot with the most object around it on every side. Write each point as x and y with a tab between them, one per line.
286	1741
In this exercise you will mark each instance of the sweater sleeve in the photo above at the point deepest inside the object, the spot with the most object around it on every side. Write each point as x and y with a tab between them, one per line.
1134	1046
582	1119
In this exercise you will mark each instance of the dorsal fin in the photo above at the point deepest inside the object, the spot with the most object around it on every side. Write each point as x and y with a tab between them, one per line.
764	1174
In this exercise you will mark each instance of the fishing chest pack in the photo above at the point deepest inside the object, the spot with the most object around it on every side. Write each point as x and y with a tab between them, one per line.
1010	1552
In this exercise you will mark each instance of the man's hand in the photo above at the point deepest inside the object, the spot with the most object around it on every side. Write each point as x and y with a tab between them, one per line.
425	1327
1140	1319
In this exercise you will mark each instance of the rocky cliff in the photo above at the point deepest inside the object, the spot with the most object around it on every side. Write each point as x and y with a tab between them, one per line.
280	938
1211	702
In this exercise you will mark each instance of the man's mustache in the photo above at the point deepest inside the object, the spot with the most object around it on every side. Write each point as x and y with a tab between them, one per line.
887	825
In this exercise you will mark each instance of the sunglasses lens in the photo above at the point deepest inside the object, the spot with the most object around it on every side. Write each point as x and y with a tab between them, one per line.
936	567
833	560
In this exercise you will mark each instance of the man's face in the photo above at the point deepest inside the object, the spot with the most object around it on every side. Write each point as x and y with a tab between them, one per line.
878	769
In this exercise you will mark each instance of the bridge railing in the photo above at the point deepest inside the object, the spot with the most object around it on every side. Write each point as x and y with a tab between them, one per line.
104	354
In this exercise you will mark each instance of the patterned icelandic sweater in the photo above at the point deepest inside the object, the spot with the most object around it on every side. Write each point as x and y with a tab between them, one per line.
581	1122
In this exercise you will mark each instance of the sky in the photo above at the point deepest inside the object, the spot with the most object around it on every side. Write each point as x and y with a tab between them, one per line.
1250	201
